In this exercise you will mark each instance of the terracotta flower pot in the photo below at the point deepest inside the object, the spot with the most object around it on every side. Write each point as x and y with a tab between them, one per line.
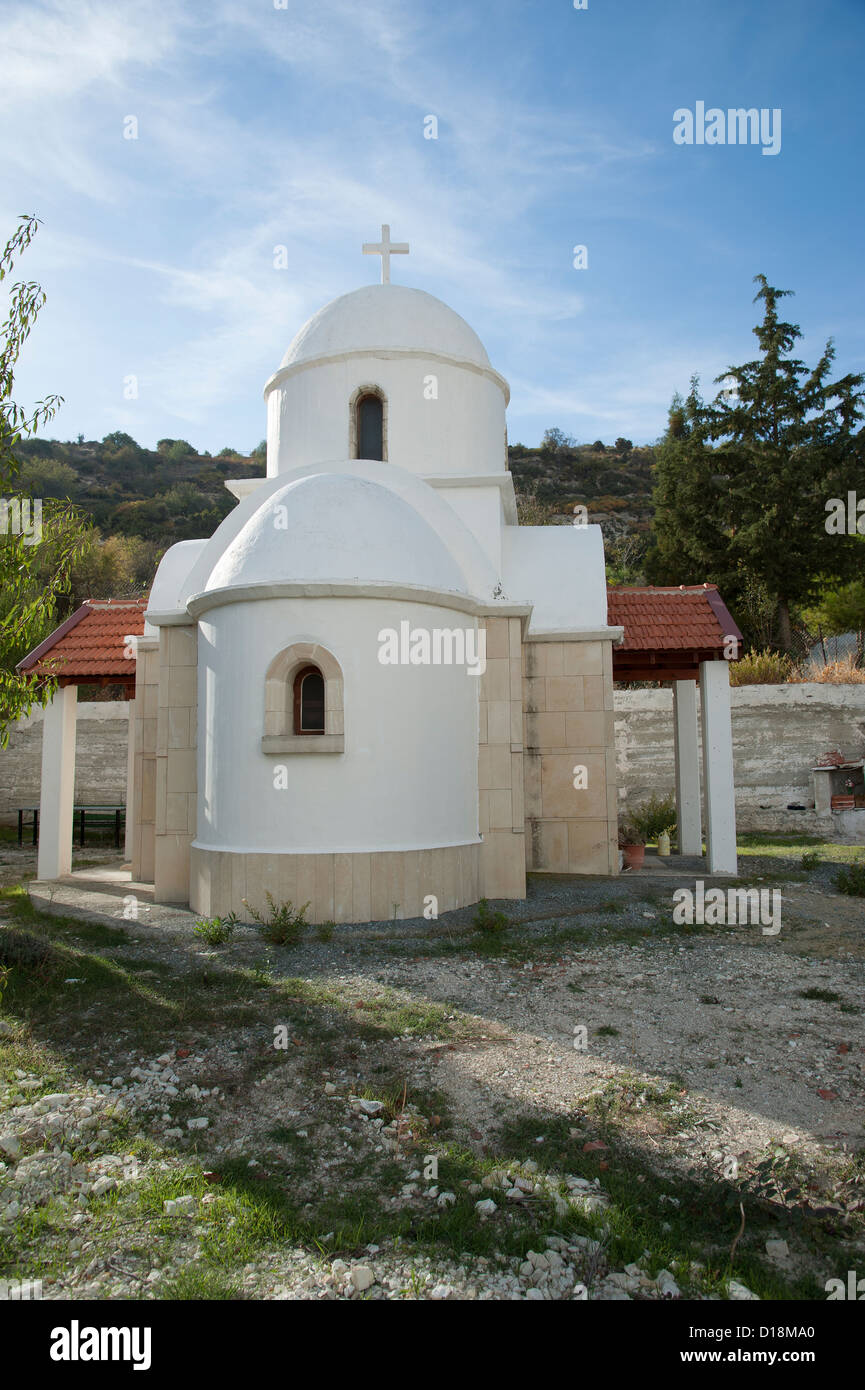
634	856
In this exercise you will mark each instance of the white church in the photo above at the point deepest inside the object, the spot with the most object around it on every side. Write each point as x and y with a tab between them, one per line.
343	675
371	690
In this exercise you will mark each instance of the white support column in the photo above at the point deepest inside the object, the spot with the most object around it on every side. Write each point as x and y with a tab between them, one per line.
718	767
687	748
57	796
129	839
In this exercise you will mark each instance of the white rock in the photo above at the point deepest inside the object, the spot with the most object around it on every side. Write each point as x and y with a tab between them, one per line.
371	1107
777	1249
446	1199
667	1286
201	1122
10	1146
362	1277
486	1207
740	1293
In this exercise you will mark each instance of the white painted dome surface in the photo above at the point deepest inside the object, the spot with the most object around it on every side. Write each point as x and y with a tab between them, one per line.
386	318
336	528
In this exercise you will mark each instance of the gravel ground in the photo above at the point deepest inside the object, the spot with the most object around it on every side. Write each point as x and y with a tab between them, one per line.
700	1047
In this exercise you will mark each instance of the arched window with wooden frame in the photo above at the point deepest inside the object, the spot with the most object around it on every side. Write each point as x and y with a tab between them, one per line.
303	701
368	424
308	701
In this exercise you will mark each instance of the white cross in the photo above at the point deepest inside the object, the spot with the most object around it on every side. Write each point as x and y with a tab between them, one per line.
385	248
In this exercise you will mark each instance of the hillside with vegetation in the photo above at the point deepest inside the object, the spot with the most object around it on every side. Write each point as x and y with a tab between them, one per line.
141	501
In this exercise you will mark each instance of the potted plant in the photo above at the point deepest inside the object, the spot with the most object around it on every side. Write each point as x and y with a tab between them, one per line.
632	843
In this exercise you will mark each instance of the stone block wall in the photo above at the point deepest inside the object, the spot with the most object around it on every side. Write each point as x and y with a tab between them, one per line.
501	810
568	720
176	762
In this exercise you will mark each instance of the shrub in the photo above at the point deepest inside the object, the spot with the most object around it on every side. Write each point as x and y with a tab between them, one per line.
486	920
32	956
655	815
851	879
284	926
810	859
216	931
629	834
844	672
762	668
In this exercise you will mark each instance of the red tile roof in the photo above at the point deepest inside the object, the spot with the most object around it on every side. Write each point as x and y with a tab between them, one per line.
90	646
686	619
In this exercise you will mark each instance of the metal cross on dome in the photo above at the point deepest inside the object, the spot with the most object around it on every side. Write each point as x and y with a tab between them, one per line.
385	248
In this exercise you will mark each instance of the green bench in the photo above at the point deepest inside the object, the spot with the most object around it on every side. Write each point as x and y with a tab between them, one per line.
96	817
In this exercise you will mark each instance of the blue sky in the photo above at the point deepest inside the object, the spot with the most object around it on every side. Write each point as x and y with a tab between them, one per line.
303	126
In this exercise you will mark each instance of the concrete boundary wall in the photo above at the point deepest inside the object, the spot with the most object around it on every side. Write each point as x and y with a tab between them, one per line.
100	764
779	732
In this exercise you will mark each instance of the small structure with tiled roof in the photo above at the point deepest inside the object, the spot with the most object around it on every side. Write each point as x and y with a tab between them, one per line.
670	631
95	646
686	636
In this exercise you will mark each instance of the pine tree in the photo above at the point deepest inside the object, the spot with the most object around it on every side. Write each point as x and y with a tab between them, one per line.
743	481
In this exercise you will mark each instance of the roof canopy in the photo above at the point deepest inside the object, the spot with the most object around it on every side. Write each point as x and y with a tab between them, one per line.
669	632
90	648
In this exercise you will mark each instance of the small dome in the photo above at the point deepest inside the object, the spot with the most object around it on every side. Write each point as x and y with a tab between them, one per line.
386	317
336	528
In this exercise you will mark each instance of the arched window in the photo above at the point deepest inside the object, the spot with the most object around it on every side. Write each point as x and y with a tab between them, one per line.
309	701
369	414
303	701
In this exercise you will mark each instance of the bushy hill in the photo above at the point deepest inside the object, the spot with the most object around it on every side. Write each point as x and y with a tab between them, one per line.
173	493
163	495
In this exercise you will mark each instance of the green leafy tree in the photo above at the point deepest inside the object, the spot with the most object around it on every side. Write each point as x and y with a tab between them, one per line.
181	449
29	598
742	481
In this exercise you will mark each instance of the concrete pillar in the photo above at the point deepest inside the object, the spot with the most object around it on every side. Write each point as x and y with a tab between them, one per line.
57	796
687	750
144	779
718	767
129	842
176	762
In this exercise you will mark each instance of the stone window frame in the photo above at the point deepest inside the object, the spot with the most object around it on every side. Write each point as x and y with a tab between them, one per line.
372	389
279	735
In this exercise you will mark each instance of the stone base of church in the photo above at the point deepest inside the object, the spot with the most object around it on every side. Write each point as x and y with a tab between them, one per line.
364	887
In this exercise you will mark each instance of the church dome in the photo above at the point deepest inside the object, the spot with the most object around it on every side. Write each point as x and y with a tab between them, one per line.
337	528
386	318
